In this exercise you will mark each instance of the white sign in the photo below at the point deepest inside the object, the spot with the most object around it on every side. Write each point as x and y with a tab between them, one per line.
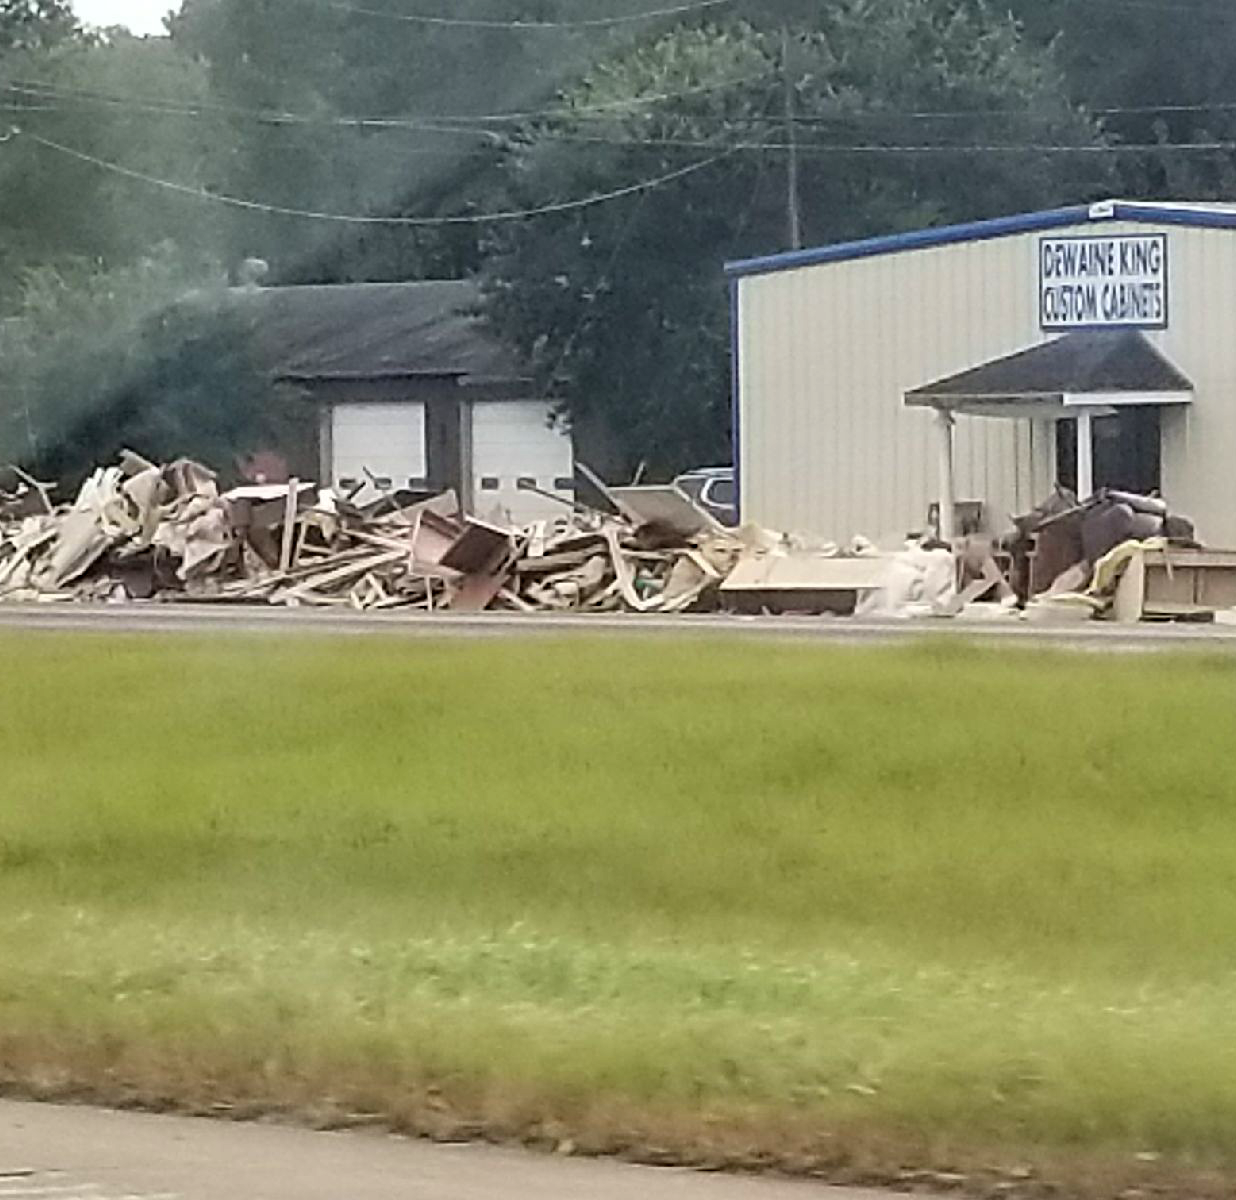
1095	281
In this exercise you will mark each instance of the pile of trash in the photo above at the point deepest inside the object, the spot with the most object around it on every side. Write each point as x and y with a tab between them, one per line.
141	531
1085	559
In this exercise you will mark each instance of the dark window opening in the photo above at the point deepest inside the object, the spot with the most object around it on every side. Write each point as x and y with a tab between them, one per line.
489	483
525	483
1127	450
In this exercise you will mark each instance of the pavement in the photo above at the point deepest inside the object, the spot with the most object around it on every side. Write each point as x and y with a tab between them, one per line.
48	1152
208	619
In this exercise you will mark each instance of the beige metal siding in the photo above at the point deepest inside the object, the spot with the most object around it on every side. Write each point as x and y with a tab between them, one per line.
827	352
1199	443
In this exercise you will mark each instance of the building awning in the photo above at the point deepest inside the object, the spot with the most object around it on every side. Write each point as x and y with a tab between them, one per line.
1095	369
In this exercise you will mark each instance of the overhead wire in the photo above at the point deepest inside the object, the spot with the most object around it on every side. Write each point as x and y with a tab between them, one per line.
463	123
448	123
761	146
1167	6
505	215
39	92
677	10
877	148
744	144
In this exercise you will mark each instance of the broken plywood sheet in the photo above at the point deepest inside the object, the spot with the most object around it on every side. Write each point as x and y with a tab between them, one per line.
478	547
668	508
802	583
800	572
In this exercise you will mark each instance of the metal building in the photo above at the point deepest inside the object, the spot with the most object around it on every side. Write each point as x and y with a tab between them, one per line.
1094	346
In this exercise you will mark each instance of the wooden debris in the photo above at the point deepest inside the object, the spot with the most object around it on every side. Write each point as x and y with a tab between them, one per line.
141	531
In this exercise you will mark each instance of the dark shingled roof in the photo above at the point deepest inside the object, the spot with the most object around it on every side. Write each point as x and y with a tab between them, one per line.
377	331
1083	362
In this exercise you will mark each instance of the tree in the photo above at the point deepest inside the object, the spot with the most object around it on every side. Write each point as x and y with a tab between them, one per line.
273	57
134	102
445	83
153	356
27	25
622	306
107	98
1156	74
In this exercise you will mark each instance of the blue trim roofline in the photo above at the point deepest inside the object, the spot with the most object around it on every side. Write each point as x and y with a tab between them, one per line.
975	231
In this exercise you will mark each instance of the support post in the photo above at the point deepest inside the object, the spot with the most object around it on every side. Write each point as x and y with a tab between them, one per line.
948	491
1085	454
794	214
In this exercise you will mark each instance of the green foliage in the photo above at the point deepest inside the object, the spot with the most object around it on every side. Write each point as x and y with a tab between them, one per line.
150	356
327	64
623	306
54	208
1168	63
34	24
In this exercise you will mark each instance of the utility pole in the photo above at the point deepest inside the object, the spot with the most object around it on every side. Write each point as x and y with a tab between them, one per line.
795	223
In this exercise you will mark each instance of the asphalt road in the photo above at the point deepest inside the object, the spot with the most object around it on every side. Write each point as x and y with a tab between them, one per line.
54	1153
170	618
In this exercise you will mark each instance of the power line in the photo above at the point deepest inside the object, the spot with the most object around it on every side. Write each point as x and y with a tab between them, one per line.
196	110
926	148
677	10
462	123
449	123
970	113
695	144
805	147
1166	6
444	152
199	193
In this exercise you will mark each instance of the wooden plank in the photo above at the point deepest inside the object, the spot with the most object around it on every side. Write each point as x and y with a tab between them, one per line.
289	526
1177	559
387	543
549	564
326	579
1165	608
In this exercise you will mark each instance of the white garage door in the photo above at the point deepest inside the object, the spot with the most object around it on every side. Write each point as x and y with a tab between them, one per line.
388	439
513	446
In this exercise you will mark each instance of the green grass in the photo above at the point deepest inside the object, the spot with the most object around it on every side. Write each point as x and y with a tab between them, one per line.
956	898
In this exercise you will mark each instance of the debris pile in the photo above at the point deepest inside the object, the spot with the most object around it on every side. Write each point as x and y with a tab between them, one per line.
1081	559
139	531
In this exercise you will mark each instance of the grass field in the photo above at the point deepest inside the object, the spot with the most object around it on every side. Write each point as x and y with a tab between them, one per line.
918	906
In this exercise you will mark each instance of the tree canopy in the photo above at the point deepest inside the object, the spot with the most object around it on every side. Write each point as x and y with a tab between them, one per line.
892	113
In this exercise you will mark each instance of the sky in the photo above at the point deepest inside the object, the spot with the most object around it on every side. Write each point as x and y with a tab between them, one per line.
141	16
